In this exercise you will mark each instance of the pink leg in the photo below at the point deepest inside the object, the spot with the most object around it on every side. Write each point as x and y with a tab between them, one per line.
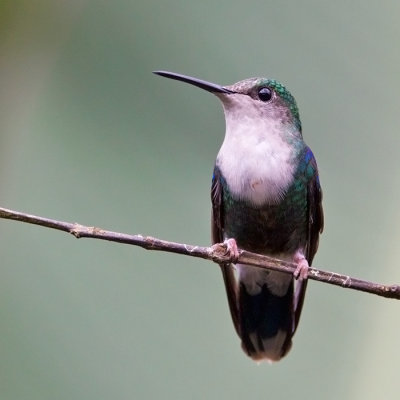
302	268
232	249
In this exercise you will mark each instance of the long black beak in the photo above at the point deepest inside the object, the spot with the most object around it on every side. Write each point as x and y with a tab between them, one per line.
210	87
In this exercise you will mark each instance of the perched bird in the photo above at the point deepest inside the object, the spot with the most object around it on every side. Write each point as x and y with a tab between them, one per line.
266	198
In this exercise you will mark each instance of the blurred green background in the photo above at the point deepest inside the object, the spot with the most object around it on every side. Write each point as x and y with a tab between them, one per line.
88	134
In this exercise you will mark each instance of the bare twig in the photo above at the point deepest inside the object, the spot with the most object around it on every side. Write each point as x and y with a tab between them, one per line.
216	253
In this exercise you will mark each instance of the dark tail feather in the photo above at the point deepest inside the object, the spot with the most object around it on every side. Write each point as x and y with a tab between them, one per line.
265	323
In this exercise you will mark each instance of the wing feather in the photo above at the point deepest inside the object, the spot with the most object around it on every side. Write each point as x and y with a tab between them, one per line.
315	218
217	234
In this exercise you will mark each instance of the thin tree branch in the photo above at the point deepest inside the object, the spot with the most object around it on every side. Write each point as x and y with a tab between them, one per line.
216	253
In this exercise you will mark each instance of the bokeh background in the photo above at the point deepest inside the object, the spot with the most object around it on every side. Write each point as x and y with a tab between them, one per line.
88	134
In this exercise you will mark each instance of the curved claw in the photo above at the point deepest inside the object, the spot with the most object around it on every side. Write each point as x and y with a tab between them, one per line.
232	250
301	271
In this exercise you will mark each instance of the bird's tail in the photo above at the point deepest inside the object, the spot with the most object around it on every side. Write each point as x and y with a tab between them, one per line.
262	310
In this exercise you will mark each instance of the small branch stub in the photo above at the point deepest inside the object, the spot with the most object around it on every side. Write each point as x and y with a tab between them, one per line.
218	253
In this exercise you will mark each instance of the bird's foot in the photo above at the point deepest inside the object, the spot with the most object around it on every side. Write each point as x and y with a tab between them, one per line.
232	249
301	271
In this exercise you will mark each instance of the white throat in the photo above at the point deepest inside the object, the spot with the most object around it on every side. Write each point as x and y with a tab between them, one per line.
254	159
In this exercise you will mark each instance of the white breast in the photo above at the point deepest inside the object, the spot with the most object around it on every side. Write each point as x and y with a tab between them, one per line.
255	161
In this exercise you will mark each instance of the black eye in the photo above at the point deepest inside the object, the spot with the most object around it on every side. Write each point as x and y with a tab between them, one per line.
265	94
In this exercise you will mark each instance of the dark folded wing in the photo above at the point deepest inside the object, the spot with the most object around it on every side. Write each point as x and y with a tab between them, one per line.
217	234
315	212
315	218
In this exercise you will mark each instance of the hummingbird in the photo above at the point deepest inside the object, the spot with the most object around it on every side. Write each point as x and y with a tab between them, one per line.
266	198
